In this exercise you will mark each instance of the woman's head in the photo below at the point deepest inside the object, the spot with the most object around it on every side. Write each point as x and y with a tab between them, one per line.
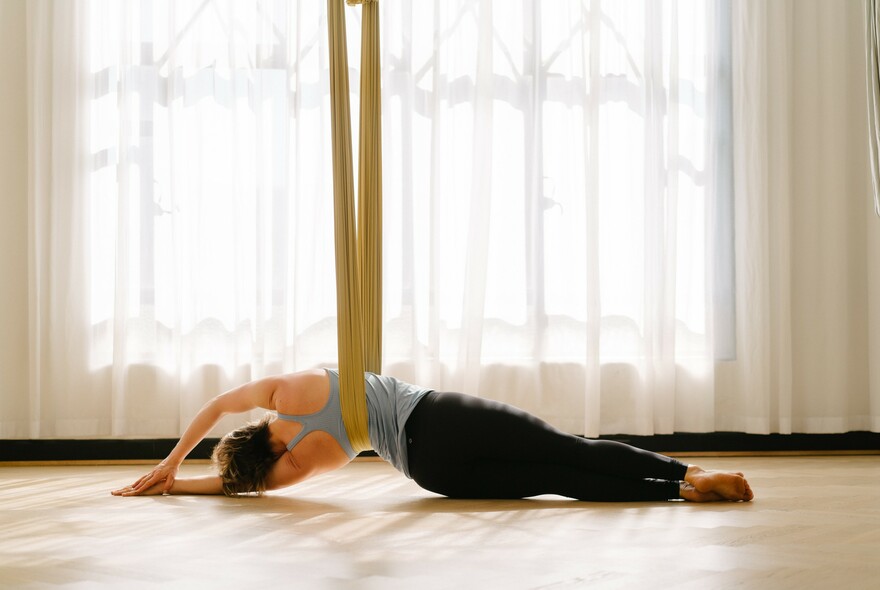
243	458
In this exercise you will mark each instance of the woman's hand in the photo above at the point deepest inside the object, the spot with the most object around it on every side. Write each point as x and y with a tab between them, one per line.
155	490
205	484
161	477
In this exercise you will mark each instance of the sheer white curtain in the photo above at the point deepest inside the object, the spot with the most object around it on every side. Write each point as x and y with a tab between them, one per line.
558	166
808	285
872	61
182	227
561	231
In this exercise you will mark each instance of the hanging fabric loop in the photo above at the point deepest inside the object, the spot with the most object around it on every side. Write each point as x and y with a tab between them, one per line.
358	250
370	187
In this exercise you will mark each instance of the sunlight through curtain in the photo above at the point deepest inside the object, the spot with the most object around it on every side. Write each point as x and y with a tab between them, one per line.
561	231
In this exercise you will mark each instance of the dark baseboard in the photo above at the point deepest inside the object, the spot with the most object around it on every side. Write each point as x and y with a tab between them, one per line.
96	449
712	442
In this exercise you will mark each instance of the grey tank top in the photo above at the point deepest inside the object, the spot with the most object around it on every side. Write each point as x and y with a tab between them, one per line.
389	404
328	419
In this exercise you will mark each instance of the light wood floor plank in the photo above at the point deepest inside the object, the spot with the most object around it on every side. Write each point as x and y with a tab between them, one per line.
815	523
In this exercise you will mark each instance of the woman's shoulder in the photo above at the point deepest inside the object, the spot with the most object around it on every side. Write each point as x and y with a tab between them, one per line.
303	392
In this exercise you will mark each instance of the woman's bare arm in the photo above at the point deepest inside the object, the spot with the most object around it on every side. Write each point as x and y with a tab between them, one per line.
204	485
241	399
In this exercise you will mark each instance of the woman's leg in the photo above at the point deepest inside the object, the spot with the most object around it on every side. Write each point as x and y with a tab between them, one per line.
464	446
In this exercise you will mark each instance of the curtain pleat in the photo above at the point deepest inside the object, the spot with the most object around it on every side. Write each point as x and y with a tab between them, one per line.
872	61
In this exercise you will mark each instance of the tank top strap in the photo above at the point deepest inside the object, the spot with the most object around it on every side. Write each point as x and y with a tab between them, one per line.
328	419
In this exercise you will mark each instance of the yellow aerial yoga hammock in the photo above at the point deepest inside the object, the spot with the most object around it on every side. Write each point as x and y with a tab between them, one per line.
358	251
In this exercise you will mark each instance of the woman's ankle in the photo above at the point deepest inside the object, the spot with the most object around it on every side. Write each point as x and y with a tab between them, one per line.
692	471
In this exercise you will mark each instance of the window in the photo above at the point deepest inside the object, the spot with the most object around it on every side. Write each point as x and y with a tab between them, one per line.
549	166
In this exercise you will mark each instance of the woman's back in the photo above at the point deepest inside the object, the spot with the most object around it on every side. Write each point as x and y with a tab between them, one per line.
317	398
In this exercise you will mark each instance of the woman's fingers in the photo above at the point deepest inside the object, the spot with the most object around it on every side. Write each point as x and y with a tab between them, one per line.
155	477
126	491
129	491
145	481
139	484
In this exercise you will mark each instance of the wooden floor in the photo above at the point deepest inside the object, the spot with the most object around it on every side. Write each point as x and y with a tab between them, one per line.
815	523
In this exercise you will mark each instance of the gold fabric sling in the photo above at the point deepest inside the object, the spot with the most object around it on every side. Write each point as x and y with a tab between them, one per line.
358	250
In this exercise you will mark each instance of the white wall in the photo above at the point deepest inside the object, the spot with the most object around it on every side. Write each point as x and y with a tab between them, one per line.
13	211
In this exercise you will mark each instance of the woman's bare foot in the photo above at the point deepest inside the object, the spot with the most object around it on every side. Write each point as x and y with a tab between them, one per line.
690	493
728	485
749	493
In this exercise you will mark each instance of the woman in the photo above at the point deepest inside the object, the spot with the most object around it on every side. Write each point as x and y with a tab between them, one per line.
452	444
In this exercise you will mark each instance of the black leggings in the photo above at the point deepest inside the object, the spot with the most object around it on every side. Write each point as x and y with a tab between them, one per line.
467	447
